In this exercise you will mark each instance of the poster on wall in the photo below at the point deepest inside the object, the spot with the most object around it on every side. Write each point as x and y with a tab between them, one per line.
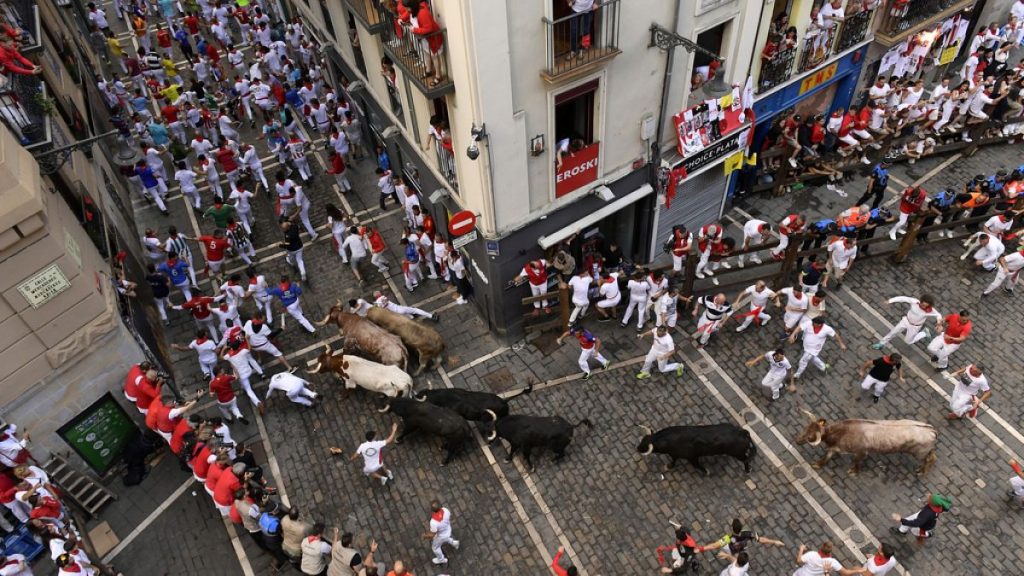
937	46
100	433
699	126
577	170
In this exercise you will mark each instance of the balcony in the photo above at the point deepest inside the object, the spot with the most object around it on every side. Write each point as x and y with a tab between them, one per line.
817	49
854	30
914	17
423	58
25	107
370	14
25	15
777	70
445	157
579	43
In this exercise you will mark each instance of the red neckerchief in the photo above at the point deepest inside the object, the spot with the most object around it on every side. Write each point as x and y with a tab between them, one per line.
201	340
936	509
817	328
887	359
253	281
925	307
285	286
880	559
438	516
800	297
313	538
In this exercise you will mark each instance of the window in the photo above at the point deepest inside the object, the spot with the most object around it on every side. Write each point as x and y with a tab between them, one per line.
353	35
325	14
574	113
703	64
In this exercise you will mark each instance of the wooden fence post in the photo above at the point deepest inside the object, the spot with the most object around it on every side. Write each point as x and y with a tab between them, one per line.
789	261
563	304
689	273
908	242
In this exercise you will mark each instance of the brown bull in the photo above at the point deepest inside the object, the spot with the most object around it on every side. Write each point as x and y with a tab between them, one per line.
863	437
417	336
366	338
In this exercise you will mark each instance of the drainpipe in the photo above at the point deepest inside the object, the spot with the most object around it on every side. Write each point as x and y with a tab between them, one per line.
655	164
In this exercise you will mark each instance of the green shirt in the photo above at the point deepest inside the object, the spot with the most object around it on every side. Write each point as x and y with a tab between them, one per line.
220	215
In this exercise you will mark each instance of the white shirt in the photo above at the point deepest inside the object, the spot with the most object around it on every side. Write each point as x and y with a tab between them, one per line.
610	289
442	528
815	341
842	256
815	565
355	245
256	337
372	453
206	350
667	304
241	198
662	344
777	369
975	386
1018	9
251	159
990	253
828	15
580	285
878	92
287	383
362	307
751	229
638	291
734	570
1015	261
791	300
760	299
17	566
98	18
186	178
201	146
880	570
915	315
998	226
656	286
240	362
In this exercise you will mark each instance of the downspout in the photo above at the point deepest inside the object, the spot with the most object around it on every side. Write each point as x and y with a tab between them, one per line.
655	164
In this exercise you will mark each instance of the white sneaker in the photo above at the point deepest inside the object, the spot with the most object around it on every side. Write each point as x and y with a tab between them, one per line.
792	162
755	260
699	276
726	265
384	480
439	561
739	264
741	328
460	301
912	161
892	235
455	544
709	272
865	160
715	281
875	145
831	187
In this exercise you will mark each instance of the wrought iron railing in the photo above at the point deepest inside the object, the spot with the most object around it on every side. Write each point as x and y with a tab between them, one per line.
446	164
580	39
817	48
423	57
854	30
23	107
25	15
896	20
777	70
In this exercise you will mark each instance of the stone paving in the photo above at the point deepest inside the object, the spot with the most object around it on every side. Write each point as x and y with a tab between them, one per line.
607	502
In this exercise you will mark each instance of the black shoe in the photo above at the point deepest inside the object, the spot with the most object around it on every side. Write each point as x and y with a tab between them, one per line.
435	317
243	420
934	359
875	399
586	376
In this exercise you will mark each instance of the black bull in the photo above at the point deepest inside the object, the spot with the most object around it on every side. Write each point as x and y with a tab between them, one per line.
691	443
417	415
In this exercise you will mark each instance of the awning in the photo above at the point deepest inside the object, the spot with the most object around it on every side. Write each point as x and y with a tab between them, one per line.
596	216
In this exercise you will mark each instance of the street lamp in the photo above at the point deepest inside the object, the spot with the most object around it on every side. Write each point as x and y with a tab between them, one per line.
51	161
716	87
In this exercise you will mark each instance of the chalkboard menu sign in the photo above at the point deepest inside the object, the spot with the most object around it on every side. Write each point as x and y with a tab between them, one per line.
100	433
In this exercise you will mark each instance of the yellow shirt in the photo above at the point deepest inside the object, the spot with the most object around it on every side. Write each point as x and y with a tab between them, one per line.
114	45
169	67
171	92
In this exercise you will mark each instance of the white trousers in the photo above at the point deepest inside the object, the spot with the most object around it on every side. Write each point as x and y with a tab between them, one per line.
229	410
296	312
302	395
783	244
1007	279
539	290
378	260
410	311
586	354
641	311
343	184
579	311
295	259
438	541
870	383
806	358
706	327
940	349
760	316
244	381
773	382
304	216
208	368
792	319
161	307
705	256
1018	486
912	333
663	365
960	402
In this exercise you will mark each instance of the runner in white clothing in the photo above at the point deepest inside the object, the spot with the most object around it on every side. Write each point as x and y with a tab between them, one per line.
796	306
610	296
759	294
440	532
580	285
258	335
755	232
970	391
913	323
1007	271
639	294
662	349
206	350
244	364
294	387
372	452
779	368
815	334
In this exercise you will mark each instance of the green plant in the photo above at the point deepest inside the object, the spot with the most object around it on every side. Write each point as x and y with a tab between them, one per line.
46	104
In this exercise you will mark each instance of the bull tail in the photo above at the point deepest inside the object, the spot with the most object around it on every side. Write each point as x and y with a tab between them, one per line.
585	421
526	390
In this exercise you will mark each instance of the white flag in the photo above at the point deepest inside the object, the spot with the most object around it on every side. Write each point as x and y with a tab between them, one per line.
747	101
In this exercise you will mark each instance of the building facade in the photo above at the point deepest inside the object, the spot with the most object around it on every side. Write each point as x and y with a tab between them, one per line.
516	82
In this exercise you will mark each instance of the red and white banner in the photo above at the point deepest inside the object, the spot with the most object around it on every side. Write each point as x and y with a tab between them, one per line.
577	170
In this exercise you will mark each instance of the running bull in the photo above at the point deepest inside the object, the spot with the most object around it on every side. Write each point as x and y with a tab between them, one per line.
391	381
471	405
691	443
422	339
452	429
524	433
366	338
863	437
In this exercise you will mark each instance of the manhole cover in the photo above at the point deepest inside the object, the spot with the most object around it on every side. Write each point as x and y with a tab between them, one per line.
499	380
749	416
800	472
857	536
546	343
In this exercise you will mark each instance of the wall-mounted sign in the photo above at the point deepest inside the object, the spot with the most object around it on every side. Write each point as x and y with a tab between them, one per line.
44	286
100	433
577	170
461	222
492	248
464	239
712	153
819	77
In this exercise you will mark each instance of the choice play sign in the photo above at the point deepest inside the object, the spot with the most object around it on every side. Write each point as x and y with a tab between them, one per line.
461	222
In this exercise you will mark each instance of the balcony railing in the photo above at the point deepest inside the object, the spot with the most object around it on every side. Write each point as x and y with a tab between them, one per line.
446	164
25	15
854	30
370	13
817	48
22	106
777	70
577	41
912	14
423	58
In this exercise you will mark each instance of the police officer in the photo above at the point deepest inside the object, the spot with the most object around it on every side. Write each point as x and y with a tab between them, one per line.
877	183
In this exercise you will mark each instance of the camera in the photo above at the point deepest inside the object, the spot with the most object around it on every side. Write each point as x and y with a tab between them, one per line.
473	151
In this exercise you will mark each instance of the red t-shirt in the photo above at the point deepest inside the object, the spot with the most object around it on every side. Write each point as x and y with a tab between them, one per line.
145	394
131	388
215	247
586	339
213	474
153	415
212	53
912	200
199	306
221	388
47	508
164	422
863	117
224	492
201	461
192	23
954	329
178	437
163	38
226	158
170	113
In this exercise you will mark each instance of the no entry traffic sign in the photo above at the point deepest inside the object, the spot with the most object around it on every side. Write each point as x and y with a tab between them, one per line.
461	223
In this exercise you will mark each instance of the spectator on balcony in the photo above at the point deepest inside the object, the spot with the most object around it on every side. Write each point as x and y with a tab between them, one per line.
12	61
567	147
579	26
768	54
780	25
790	40
831	14
430	38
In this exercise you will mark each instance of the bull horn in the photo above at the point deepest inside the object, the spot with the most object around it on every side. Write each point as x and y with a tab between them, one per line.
315	370
649	451
420	397
324	321
337	302
430	385
338	353
817	440
647	429
811	415
327	348
385	409
492	435
494	417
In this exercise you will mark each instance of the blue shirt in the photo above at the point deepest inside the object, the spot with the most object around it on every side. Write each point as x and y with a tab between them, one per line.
139	103
178	273
159	133
292	97
384	161
411	254
822	225
287	297
146	174
881	176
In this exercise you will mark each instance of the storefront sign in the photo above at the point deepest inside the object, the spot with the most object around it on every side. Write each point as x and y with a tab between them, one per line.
100	434
712	153
464	239
44	286
819	77
577	170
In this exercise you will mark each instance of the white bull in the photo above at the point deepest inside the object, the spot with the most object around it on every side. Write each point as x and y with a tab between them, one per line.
391	381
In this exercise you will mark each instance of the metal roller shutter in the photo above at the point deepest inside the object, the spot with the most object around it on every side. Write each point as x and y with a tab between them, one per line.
698	201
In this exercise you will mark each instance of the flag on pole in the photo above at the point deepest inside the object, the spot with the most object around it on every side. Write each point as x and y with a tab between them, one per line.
675	176
747	99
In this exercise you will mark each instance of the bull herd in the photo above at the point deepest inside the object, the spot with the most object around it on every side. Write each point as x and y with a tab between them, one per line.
381	342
